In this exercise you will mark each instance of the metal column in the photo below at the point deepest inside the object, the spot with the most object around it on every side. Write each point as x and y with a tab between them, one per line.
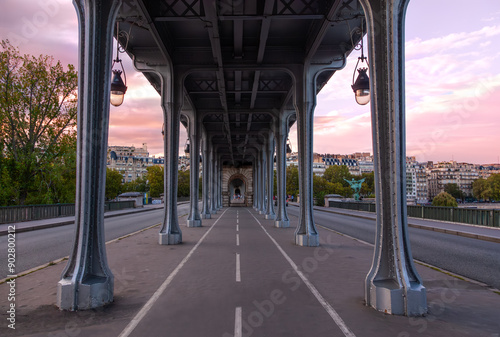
305	102
281	127
205	214
270	176
87	281
194	218
393	284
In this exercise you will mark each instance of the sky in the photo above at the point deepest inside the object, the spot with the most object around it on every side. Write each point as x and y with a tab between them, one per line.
452	82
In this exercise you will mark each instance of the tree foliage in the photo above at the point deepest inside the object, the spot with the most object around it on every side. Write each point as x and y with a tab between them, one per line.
487	189
454	190
183	184
156	178
444	199
38	109
114	185
292	181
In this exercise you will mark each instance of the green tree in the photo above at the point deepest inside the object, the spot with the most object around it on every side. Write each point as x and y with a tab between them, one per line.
292	181
368	186
337	174
38	108
444	199
494	186
155	178
114	185
454	191
481	189
183	184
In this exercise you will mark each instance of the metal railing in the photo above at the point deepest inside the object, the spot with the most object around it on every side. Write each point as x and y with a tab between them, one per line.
10	214
473	216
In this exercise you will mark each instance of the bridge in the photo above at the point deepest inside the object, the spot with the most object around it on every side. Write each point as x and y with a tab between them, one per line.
239	275
237	74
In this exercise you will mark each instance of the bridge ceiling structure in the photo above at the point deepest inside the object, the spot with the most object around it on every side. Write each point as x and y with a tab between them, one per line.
237	58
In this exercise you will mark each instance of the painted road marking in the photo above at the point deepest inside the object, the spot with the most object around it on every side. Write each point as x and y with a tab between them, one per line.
238	326
237	239
333	314
145	309
238	273
237	228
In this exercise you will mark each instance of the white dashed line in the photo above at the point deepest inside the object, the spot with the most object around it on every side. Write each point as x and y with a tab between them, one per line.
237	239
238	274
237	323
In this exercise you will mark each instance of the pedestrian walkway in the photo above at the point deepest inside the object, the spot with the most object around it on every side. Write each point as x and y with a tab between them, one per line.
240	276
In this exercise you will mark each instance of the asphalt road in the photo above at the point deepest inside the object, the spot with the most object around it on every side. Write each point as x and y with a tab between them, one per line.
36	248
476	259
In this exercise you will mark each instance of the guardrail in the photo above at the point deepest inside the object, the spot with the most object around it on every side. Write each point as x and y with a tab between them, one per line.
10	214
473	216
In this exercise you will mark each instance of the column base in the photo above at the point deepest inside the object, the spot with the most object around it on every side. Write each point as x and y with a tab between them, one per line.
282	223
170	239
388	297
270	216
95	293
206	216
194	223
307	240
214	211
262	212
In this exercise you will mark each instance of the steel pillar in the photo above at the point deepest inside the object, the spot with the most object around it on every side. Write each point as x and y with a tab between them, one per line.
87	281
281	132
172	101
305	102
211	163
255	184
393	284
194	218
263	157
205	214
270	177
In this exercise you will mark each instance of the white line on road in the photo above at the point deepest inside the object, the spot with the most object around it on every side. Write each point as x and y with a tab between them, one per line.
237	228
238	327
145	309
237	239
238	274
237	220
333	314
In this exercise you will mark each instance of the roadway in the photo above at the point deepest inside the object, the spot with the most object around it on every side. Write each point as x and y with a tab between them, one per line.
240	276
475	259
39	247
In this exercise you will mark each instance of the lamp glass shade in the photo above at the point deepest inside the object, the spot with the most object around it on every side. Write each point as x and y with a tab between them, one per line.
361	87
118	88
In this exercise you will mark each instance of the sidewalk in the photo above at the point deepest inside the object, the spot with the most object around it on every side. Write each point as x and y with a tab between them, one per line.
202	295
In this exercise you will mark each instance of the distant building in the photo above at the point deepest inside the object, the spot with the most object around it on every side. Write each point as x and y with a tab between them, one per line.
451	172
417	191
132	162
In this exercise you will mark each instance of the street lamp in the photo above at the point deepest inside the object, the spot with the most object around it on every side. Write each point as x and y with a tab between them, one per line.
118	86
361	86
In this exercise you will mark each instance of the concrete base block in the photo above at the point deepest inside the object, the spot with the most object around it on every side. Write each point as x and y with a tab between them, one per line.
388	297
262	212
307	240
282	223
170	239
94	293
270	216
206	216
194	223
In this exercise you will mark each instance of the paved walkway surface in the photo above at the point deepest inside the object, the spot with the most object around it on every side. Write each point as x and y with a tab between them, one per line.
240	276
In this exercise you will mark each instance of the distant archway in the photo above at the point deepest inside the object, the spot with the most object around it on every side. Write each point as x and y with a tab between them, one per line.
237	188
